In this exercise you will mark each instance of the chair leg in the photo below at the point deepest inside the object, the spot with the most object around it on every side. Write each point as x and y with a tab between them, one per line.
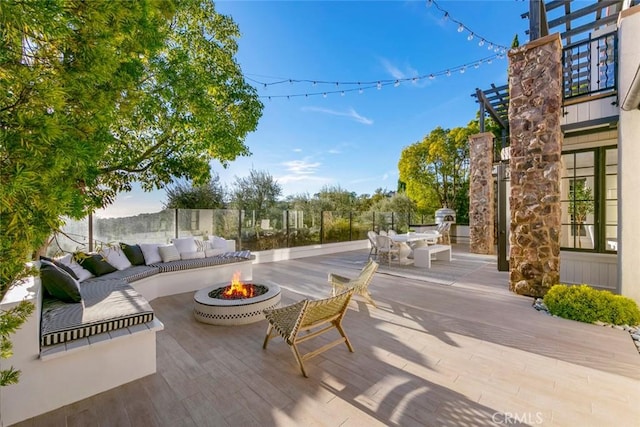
344	335
296	354
367	296
268	336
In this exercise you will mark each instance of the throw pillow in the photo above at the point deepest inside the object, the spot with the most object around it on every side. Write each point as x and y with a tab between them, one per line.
133	253
150	253
96	264
58	264
58	283
185	244
115	257
81	273
202	245
192	255
169	253
216	242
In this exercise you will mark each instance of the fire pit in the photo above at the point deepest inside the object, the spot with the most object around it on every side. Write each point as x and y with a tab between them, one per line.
237	303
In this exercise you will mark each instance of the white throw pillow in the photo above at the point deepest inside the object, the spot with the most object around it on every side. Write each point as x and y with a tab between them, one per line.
115	257
169	253
185	244
216	242
150	253
81	272
213	252
192	255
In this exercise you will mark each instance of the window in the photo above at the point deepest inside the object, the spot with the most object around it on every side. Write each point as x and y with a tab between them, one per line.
589	199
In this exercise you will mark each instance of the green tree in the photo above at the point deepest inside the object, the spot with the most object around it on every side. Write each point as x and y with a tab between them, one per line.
336	198
183	195
97	94
435	169
581	204
257	192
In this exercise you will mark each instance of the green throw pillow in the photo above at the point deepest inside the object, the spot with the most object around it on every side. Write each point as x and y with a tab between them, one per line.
58	283
133	253
96	264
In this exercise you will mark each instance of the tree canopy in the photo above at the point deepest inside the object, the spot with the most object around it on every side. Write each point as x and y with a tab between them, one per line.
258	192
183	195
436	168
95	95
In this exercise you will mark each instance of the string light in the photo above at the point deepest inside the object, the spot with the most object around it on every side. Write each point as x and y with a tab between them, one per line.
361	86
446	16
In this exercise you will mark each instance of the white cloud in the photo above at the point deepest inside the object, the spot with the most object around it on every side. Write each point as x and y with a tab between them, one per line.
301	167
334	151
350	113
392	69
297	150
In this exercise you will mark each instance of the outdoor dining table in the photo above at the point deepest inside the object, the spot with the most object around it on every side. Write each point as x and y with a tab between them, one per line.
429	237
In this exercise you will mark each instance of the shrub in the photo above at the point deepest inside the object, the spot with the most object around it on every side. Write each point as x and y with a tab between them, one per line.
585	304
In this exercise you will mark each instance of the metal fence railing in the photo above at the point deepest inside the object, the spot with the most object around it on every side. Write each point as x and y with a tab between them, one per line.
590	66
276	229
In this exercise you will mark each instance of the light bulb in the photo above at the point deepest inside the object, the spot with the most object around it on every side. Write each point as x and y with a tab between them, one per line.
448	73
431	77
379	85
290	81
462	70
481	42
470	36
460	28
477	64
360	91
342	93
489	61
490	47
496	49
397	83
446	16
315	83
337	84
429	3
324	95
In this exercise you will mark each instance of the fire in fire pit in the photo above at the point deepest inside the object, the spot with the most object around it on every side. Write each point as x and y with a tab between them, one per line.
238	290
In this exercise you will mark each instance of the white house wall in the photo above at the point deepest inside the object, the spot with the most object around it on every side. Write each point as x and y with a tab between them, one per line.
629	158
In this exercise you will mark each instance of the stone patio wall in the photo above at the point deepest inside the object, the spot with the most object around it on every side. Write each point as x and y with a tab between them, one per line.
481	194
535	88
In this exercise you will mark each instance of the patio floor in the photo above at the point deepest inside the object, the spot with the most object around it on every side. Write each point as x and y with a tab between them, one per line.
450	346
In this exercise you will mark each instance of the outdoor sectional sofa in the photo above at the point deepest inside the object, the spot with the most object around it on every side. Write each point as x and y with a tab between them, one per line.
67	351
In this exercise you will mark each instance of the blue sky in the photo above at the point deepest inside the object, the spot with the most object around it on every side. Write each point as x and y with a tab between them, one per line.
354	140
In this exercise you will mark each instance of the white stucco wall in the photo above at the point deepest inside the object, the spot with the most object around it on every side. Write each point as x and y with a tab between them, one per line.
629	158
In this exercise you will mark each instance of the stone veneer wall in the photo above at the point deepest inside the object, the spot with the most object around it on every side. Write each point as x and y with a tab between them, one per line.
481	194
535	103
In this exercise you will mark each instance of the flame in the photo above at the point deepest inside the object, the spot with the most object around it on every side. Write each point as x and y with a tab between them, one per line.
237	288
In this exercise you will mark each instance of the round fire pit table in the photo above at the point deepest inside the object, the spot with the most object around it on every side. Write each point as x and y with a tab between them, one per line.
240	311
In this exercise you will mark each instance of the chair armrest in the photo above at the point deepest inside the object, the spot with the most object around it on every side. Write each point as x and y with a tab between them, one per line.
338	278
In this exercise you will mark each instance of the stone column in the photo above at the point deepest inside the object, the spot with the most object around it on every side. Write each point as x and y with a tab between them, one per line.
481	197
535	103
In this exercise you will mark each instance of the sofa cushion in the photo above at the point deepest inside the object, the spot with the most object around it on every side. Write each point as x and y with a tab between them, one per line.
59	264
116	257
58	283
96	264
133	253
169	253
226	258
106	305
150	253
131	274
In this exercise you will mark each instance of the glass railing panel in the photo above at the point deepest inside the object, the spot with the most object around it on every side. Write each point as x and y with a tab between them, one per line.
74	236
156	227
